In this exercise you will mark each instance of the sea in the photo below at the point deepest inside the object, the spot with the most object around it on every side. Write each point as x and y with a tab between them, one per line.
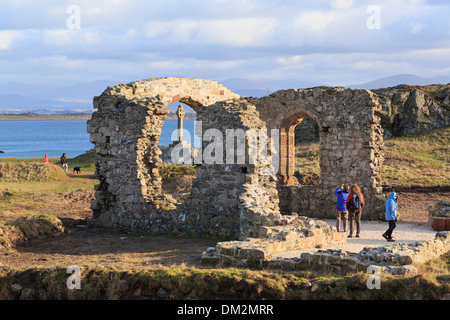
34	139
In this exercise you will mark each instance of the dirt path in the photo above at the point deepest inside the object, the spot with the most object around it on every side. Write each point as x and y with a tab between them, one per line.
135	252
115	250
413	206
405	232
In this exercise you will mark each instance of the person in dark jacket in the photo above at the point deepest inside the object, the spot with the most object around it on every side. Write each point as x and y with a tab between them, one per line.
391	216
354	205
341	210
64	164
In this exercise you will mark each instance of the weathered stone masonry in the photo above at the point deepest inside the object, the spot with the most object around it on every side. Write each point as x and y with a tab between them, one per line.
236	200
351	142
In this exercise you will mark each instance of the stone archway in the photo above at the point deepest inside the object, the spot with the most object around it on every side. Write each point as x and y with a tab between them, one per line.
287	145
350	145
125	130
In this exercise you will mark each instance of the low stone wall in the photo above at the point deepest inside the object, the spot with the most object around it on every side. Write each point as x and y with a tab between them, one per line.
280	234
398	258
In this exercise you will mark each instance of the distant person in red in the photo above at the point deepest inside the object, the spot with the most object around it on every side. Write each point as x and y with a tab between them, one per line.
46	158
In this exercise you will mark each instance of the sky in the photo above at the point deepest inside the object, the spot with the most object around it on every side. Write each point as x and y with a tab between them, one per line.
334	42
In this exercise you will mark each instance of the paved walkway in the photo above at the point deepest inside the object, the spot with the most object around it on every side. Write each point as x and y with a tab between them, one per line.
370	236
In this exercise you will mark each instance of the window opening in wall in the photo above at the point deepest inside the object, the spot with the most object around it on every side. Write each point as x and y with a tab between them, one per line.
177	177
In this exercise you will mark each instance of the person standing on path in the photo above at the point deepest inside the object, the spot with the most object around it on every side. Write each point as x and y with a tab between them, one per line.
354	205
391	216
341	210
46	159
64	164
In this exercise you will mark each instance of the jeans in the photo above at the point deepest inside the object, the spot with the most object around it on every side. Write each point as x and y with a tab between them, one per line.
341	216
356	216
392	226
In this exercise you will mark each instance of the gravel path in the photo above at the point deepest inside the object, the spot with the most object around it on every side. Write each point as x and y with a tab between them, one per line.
371	231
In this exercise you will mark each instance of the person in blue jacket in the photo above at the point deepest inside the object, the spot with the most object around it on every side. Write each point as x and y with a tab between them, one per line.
391	216
341	210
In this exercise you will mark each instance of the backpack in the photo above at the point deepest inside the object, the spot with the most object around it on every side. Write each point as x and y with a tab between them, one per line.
356	201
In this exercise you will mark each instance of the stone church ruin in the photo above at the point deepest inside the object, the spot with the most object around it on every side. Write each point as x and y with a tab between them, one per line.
240	199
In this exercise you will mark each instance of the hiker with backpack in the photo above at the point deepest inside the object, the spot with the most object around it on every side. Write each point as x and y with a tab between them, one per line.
391	216
354	205
341	210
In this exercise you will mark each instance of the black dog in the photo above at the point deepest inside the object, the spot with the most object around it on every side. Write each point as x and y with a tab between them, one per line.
77	170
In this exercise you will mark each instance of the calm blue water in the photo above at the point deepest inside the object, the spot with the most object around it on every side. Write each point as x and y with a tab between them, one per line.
34	139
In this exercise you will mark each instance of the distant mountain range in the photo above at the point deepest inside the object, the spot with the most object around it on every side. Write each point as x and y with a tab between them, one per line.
20	98
393	81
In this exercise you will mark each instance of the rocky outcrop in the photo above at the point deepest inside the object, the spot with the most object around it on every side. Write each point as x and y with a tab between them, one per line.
409	109
414	109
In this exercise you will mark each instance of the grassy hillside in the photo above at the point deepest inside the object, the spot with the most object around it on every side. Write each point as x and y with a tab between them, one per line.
410	160
30	171
85	161
422	159
28	188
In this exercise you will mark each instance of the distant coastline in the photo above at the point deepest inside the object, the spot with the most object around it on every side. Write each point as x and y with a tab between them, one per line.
30	116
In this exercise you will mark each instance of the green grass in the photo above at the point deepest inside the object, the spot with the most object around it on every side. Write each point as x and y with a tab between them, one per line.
421	159
29	172
26	185
307	163
180	282
168	170
85	161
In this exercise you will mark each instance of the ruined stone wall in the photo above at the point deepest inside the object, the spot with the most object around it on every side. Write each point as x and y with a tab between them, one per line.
228	186
351	144
236	199
126	129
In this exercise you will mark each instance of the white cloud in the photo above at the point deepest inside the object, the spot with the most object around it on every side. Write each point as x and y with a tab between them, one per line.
324	40
289	61
7	37
341	4
239	32
166	65
314	20
229	32
416	27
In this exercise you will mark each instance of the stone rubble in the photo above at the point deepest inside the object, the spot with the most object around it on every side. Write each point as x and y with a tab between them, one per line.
397	259
439	216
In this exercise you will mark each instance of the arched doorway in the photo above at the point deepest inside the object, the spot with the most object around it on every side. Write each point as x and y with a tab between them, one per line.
289	169
126	129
